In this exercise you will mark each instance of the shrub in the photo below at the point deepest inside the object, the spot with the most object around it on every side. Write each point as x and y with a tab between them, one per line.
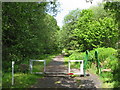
77	56
107	56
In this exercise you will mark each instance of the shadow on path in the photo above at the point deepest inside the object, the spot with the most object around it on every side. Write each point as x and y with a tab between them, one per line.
61	81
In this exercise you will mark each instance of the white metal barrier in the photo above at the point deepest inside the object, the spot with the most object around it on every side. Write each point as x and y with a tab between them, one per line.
44	61
81	67
69	67
31	66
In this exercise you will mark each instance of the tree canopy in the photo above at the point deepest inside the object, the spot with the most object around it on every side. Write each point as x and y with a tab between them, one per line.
28	31
87	29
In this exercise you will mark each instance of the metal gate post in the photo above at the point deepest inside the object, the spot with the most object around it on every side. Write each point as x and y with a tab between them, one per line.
68	66
44	66
13	72
81	67
85	62
98	62
30	66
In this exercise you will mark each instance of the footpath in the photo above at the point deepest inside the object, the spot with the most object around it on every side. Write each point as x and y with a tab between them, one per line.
60	80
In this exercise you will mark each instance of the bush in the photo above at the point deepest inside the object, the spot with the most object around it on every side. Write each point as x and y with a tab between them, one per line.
109	60
77	56
107	57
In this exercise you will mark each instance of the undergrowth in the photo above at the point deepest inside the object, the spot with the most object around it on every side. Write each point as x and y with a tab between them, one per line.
108	60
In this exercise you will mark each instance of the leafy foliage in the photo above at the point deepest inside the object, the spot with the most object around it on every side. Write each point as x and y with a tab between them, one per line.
77	56
28	32
64	35
107	57
99	11
90	32
114	8
108	60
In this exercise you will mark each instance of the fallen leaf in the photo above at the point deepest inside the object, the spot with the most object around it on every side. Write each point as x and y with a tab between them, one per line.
57	82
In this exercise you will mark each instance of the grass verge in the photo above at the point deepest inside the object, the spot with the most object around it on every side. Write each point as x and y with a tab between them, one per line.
24	80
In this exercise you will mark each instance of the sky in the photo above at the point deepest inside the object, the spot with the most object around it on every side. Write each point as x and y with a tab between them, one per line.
68	5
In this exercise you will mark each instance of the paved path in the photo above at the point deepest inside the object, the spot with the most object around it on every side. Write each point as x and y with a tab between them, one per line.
64	81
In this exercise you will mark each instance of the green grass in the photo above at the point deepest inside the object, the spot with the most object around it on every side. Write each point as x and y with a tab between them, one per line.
38	66
25	80
21	80
105	77
73	65
66	60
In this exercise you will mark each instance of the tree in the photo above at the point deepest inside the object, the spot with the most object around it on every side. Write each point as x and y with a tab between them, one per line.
67	29
28	32
114	8
90	32
99	11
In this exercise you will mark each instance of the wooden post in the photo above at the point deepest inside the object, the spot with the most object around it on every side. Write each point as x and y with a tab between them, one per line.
13	72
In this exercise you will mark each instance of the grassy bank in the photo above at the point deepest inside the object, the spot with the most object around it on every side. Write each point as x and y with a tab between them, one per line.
25	80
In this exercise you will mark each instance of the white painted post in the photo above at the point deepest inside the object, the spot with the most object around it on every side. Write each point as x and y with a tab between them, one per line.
30	66
13	72
44	66
68	66
81	67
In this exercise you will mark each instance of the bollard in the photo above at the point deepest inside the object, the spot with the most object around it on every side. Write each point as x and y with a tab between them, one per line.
13	72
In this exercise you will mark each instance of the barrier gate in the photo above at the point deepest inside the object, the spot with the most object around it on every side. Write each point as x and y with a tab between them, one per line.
69	67
81	72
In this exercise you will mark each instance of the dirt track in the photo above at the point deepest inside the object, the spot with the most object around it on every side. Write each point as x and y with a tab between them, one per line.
64	81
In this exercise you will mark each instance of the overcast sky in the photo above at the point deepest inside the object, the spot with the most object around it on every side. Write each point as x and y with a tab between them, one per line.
68	5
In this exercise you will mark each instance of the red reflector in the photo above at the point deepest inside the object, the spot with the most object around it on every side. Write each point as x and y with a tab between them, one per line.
70	73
